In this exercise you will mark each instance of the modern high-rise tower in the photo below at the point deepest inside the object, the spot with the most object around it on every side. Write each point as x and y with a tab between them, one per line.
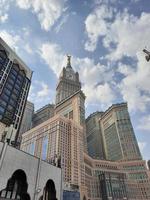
118	135
111	134
15	79
26	123
68	82
94	136
43	114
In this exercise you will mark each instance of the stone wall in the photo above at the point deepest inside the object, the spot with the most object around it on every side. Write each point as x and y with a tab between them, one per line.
15	159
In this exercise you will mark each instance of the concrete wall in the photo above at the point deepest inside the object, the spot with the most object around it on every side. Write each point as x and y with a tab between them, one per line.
15	159
1	146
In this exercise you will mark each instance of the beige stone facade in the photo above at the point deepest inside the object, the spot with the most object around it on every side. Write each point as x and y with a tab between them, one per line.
2	129
136	177
64	140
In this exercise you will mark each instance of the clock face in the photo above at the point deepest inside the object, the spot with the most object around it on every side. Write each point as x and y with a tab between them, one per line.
70	76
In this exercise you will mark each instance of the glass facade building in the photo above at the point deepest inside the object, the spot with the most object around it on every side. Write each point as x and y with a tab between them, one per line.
27	118
118	135
43	114
112	185
15	81
71	195
94	136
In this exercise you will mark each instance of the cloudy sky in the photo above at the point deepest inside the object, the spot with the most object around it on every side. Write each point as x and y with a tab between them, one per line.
105	39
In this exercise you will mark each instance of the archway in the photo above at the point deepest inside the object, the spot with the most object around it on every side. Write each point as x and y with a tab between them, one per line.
49	191
16	187
84	198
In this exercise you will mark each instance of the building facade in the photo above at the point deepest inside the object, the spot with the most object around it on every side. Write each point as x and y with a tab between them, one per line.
68	83
148	163
15	79
122	174
94	136
116	180
43	114
118	135
26	123
23	176
58	138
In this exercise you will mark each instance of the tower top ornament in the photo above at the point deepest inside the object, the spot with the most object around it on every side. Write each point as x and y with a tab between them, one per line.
68	60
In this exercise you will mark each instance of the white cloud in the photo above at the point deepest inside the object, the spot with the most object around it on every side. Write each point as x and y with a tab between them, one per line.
11	39
101	94
47	12
123	34
125	69
61	23
44	90
17	41
126	35
96	25
40	94
134	87
53	56
144	123
4	8
130	34
3	18
28	48
94	77
142	145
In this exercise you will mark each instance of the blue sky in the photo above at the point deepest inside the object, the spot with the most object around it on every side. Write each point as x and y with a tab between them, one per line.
105	39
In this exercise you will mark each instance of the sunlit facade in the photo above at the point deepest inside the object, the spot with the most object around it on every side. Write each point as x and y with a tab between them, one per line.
122	174
119	180
58	138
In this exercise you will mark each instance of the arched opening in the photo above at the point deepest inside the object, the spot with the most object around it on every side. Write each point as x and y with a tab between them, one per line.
16	187
84	198
49	191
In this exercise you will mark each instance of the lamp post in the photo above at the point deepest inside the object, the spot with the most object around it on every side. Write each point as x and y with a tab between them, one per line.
147	57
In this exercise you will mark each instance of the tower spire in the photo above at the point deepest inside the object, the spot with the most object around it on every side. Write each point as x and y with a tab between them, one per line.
68	60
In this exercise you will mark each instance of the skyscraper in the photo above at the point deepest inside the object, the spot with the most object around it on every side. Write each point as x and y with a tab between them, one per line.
94	136
62	138
118	135
15	79
26	123
43	114
68	82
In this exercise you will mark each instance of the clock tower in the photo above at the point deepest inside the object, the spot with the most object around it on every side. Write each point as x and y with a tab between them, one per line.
68	82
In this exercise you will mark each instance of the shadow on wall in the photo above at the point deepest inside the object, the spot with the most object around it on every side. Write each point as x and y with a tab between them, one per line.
17	187
49	191
84	198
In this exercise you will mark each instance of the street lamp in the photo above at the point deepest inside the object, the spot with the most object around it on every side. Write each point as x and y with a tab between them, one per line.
147	57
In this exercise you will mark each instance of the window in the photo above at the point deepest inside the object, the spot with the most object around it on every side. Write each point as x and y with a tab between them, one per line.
44	148
2	109
32	148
